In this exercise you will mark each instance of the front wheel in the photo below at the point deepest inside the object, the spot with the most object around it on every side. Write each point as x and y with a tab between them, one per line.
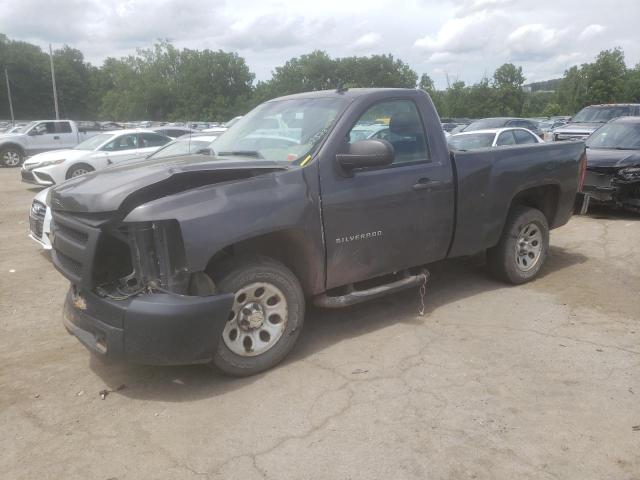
523	247
266	318
79	169
11	157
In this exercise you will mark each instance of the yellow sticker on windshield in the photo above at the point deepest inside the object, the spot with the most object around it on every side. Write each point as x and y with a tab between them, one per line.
305	161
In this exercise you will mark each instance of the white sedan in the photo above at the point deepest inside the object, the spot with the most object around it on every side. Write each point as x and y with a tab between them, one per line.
40	220
96	153
492	137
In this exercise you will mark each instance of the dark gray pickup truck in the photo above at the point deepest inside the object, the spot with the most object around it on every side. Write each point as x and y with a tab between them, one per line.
327	197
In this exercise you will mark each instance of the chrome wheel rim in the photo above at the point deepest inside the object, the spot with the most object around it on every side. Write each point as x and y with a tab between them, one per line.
528	247
257	319
79	171
11	159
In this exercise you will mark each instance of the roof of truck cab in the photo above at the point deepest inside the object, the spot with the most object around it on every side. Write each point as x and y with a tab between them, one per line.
348	93
625	120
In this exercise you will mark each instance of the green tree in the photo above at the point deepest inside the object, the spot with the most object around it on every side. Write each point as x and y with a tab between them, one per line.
606	77
508	80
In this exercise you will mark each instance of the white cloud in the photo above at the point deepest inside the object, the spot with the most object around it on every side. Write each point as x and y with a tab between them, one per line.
368	40
534	41
592	31
464	34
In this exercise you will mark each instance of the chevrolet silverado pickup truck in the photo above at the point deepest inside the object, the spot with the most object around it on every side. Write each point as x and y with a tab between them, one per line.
40	136
214	258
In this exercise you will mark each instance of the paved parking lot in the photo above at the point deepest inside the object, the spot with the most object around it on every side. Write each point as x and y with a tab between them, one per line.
537	381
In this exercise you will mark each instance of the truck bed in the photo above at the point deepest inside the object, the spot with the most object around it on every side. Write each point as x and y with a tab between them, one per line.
487	181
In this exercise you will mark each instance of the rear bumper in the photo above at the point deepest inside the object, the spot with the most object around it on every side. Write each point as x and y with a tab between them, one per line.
151	329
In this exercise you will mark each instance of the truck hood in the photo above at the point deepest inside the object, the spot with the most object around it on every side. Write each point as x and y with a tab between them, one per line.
11	136
56	155
612	158
123	187
578	128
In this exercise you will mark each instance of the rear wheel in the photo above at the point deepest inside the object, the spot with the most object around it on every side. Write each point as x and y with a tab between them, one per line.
523	247
79	169
11	157
266	318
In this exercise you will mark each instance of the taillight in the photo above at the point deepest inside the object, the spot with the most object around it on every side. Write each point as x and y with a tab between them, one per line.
583	170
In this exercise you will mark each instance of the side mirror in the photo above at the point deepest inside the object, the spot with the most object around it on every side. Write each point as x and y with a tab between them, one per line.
366	153
32	132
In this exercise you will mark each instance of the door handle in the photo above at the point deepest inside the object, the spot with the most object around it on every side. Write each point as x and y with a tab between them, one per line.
426	183
56	137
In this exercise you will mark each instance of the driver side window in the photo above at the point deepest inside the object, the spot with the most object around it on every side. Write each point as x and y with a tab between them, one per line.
123	142
505	139
398	122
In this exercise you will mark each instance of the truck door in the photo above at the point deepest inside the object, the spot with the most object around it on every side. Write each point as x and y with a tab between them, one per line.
64	136
382	220
41	138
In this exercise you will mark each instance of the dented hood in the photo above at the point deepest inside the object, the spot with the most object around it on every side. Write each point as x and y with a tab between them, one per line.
122	187
612	158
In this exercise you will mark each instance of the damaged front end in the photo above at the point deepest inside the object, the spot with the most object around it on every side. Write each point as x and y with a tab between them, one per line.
132	295
614	186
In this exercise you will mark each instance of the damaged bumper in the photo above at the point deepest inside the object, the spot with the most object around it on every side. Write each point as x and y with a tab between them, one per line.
619	187
151	329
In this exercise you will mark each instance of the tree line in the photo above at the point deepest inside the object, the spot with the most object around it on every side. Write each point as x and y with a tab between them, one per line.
166	83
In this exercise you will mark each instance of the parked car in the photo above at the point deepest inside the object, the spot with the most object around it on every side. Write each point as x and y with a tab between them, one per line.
40	220
493	137
503	122
212	259
95	153
199	143
40	136
173	132
589	119
613	164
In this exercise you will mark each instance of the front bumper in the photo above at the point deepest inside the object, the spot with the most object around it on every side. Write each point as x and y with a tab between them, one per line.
36	177
151	329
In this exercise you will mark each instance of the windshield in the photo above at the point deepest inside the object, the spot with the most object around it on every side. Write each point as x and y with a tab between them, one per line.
600	114
471	141
181	147
282	130
485	123
623	136
94	142
27	127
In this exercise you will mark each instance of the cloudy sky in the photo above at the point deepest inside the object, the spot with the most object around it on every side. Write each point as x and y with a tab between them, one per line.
461	39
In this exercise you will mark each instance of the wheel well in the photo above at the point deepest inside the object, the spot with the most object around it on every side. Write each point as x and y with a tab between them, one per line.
67	175
13	145
291	247
544	198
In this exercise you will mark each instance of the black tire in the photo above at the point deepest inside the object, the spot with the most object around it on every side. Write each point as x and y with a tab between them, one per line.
11	157
238	273
505	261
78	169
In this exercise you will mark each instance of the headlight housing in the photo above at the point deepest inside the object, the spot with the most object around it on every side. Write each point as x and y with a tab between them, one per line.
48	163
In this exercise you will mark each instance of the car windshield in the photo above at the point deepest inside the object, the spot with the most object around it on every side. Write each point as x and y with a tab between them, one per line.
94	142
281	130
600	114
485	123
27	127
471	141
181	147
623	136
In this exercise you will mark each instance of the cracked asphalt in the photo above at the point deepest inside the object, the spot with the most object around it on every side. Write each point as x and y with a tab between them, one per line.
531	382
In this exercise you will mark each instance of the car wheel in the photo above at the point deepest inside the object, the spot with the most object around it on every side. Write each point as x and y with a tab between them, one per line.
11	157
523	247
266	318
79	169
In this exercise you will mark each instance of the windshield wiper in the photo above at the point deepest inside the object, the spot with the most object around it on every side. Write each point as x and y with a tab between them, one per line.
240	153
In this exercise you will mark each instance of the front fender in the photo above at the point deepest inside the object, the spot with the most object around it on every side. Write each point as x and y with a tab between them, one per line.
216	216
